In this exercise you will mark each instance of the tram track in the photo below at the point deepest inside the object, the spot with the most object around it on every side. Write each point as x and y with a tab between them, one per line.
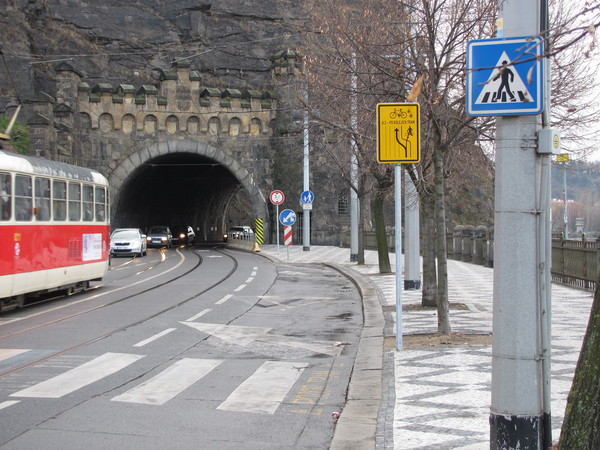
122	327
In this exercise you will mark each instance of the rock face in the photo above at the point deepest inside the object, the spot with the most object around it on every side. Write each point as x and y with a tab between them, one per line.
229	42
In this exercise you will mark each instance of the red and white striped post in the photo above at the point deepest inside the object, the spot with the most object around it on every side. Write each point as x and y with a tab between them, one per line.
287	235
287	238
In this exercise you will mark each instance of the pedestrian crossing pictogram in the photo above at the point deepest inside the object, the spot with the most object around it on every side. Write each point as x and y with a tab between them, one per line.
505	76
504	85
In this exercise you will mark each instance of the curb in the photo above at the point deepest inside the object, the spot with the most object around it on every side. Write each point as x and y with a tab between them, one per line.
357	426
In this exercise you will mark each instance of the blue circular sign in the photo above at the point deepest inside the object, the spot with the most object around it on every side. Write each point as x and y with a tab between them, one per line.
287	217
307	197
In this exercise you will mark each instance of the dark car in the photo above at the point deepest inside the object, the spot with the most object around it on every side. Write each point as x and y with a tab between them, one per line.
183	234
160	236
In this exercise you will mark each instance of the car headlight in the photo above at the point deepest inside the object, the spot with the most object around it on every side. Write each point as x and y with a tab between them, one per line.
181	236
163	238
148	239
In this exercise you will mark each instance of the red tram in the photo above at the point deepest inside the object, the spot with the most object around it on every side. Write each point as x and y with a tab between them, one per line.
54	228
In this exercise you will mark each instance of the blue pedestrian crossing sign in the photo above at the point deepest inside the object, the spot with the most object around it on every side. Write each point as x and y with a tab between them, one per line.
505	76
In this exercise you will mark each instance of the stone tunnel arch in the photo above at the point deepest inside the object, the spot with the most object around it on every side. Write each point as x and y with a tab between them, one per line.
124	174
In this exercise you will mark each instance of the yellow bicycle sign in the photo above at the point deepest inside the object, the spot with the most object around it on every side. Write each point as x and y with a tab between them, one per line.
398	139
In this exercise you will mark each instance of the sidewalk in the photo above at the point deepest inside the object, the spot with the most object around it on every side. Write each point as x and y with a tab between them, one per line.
438	397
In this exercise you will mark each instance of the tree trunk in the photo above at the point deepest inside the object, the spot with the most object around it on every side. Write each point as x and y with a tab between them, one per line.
440	226
581	426
360	257
429	291
380	235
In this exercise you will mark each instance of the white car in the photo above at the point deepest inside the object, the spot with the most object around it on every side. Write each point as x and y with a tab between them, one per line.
128	241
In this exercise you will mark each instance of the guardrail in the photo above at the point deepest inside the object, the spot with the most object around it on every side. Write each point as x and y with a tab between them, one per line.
574	262
242	241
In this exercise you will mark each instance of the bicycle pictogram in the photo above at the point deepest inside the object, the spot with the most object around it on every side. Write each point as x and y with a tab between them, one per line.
400	113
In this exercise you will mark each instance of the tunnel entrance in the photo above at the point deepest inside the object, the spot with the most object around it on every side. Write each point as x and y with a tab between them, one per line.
183	189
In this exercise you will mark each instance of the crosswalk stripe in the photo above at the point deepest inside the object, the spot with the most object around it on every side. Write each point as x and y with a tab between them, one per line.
163	387
264	390
79	377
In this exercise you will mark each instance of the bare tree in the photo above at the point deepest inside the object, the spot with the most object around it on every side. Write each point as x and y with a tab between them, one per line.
363	53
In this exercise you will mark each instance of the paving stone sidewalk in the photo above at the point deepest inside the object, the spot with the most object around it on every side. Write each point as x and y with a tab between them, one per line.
441	395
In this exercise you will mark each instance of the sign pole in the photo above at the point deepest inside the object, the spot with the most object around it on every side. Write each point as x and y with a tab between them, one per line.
398	248
277	215
516	414
277	198
398	141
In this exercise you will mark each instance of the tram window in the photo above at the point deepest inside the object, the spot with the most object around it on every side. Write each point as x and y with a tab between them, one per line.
74	201
88	203
23	198
100	204
5	196
42	198
59	202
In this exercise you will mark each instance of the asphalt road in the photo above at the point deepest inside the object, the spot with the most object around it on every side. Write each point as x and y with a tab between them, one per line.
183	348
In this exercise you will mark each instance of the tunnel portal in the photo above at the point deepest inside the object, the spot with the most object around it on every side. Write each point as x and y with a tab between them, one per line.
183	189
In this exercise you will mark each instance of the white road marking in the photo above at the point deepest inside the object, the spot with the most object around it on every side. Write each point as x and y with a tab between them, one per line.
230	333
244	336
155	337
249	280
239	288
8	403
200	314
6	353
265	389
224	299
163	387
79	377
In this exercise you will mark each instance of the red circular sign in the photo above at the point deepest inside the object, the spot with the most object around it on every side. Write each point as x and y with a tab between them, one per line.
277	197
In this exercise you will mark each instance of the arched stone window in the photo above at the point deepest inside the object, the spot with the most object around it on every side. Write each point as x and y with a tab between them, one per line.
85	121
172	124
255	127
235	127
214	126
193	125
106	123
128	123
343	204
150	124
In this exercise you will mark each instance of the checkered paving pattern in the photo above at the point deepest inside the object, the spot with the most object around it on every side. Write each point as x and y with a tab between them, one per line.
442	394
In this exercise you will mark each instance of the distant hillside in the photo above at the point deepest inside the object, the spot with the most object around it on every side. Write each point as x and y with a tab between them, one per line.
583	180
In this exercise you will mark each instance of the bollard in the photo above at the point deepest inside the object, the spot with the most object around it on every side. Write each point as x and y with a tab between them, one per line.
480	254
449	243
457	242
490	256
467	243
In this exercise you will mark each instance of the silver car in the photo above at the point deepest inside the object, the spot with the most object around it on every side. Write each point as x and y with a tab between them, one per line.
128	241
